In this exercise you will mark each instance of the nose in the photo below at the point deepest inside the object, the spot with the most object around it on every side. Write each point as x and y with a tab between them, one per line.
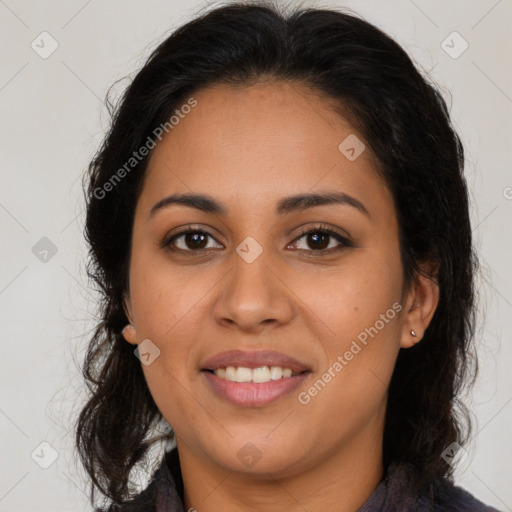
254	294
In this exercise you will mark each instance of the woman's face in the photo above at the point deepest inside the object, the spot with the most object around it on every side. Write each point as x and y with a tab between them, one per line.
249	279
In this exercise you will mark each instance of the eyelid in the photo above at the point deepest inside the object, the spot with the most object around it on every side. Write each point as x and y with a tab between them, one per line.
183	230
324	228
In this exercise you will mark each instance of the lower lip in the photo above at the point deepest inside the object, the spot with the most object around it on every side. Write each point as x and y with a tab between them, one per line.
249	394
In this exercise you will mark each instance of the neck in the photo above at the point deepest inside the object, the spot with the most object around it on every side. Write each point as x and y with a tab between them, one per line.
343	481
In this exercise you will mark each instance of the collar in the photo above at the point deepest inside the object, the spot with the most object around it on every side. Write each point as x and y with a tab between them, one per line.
395	493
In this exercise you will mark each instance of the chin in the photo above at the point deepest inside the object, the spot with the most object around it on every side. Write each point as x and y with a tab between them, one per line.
256	455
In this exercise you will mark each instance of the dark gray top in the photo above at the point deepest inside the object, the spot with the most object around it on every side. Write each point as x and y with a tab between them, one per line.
165	493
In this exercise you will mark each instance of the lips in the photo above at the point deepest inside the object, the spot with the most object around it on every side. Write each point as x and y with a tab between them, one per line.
254	360
248	394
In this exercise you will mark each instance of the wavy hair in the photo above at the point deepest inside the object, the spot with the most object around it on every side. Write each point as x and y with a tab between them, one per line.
372	83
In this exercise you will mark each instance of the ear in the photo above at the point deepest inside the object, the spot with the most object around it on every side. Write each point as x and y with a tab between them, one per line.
129	332
420	305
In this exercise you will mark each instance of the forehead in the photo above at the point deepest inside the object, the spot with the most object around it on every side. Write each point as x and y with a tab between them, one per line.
259	141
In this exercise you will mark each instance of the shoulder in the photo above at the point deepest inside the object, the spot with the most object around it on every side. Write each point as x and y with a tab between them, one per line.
163	493
398	492
145	501
451	498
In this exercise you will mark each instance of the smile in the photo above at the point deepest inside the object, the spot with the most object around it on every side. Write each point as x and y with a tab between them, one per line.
255	387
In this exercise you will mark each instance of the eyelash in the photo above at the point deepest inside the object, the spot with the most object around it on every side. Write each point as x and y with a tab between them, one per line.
321	229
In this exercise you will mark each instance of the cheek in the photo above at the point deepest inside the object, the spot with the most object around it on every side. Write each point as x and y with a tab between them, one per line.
351	385
167	305
344	302
164	296
173	394
356	316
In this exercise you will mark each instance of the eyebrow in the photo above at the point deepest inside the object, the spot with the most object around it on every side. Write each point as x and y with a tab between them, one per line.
285	206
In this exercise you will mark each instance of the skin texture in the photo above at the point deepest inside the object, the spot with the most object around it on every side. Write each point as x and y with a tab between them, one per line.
248	147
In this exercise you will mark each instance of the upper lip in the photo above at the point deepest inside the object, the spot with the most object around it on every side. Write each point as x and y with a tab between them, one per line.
253	360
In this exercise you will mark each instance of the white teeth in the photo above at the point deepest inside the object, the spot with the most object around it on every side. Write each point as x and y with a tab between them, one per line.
230	373
256	375
276	372
261	374
243	374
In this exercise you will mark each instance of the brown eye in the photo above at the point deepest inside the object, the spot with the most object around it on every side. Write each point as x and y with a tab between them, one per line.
318	240
322	240
189	241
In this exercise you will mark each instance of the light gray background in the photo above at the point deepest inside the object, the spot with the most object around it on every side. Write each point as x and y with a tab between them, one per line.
52	120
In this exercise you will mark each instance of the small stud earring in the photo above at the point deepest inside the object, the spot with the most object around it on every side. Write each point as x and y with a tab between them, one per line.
413	334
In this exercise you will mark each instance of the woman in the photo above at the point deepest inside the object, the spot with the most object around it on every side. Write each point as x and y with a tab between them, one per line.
278	221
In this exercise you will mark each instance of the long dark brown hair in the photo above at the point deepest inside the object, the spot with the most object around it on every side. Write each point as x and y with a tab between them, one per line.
375	85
